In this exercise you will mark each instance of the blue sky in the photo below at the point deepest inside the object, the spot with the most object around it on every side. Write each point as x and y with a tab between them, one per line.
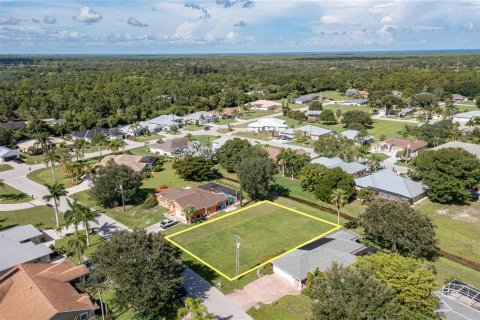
236	26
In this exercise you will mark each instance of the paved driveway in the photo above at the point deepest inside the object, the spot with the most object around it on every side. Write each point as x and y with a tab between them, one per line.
266	289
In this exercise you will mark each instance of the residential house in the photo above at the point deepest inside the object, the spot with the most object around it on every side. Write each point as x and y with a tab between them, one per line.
473	149
267	124
306	98
341	247
32	146
136	162
22	244
388	185
133	130
355	136
218	143
200	117
162	123
458	98
228	113
354	168
364	93
177	199
313	114
264	105
53	122
314	132
405	112
7	154
464	117
14	125
44	291
391	147
355	102
286	134
171	147
273	152
88	135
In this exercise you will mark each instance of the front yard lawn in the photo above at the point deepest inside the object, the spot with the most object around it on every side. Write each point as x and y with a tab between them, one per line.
204	140
134	217
147	137
252	135
5	167
142	151
458	227
30	160
61	244
193	127
287	308
265	231
252	114
44	176
42	217
9	194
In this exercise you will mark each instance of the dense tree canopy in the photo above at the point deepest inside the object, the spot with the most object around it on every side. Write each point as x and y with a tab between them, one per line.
194	168
395	226
109	180
449	174
255	174
357	117
232	152
352	294
335	178
411	280
331	146
143	269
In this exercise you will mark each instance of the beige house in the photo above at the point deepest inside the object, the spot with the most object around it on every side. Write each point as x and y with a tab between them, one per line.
135	162
32	146
264	105
391	147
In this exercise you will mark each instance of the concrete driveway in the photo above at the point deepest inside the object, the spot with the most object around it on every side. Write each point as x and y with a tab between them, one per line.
266	289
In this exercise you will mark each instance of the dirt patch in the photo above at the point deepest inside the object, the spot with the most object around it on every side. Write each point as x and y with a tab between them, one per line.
442	212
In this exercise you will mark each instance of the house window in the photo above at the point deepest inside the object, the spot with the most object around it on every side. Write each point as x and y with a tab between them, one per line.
84	316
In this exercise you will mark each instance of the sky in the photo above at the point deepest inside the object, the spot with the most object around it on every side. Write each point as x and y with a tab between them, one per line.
236	26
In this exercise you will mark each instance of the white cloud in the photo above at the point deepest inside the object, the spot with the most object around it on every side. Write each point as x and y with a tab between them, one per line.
49	20
469	26
9	20
387	20
136	23
87	16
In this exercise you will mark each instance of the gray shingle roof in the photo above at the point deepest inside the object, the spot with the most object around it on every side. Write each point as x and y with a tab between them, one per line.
314	131
348	167
468	115
21	233
352	135
471	148
197	115
7	152
337	247
388	181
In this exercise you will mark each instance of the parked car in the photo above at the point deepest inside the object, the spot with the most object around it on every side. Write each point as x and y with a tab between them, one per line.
168	223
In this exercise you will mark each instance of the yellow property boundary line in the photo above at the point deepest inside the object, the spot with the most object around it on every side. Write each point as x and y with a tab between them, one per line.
169	237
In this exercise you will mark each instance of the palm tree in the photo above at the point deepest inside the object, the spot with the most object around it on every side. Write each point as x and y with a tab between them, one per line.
63	153
285	158
194	310
79	148
189	212
75	214
55	191
189	136
87	217
51	157
43	139
338	198
75	169
99	140
114	145
77	244
374	163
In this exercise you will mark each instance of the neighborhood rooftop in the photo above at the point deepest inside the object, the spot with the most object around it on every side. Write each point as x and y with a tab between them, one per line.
348	167
471	148
314	130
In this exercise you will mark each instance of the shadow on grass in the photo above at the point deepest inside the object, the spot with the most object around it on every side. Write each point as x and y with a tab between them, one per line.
13	196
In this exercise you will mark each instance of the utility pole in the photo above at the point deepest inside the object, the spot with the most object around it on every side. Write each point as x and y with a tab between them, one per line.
101	303
237	254
123	197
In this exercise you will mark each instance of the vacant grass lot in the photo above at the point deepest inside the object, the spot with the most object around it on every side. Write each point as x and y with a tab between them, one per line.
5	167
252	114
42	217
251	135
265	231
458	227
9	194
193	127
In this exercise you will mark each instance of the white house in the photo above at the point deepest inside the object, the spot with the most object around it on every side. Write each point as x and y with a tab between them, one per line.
7	154
355	102
133	130
463	117
162	123
458	98
264	105
353	135
267	124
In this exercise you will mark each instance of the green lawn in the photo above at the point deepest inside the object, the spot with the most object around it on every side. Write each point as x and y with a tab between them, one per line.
147	137
458	227
203	139
252	114
9	194
95	240
251	135
5	167
30	160
166	177
42	217
287	308
134	217
142	151
265	230
193	127
224	121
44	176
335	95
448	270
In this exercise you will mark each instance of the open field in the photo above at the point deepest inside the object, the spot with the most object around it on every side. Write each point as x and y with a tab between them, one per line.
265	229
42	217
333	94
345	108
5	167
9	194
458	227
287	308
